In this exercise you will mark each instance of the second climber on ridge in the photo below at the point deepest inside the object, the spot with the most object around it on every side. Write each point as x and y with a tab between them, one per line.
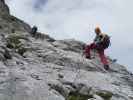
100	43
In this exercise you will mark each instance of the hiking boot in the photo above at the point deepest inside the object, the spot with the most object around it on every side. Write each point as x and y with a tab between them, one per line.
106	67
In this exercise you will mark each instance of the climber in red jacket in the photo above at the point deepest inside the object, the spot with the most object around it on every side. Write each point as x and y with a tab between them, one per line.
101	42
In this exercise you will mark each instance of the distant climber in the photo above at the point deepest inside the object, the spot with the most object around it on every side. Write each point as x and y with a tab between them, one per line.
100	43
34	30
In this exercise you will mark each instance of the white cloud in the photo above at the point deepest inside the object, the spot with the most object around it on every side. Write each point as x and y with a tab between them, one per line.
77	19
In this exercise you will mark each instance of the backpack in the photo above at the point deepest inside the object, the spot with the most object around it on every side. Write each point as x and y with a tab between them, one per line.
106	42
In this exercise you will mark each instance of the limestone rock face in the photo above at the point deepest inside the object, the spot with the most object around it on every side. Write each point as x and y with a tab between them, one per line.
47	69
8	23
3	7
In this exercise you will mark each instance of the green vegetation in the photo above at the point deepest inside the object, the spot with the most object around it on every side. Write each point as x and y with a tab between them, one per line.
13	42
78	96
22	50
105	95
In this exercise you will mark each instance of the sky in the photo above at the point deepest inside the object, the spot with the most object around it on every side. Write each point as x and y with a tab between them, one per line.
66	19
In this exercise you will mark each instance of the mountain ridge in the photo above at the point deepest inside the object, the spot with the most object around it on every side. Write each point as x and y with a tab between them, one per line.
42	68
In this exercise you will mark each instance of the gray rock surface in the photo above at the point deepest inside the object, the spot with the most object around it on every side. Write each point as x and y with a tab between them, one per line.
3	7
47	69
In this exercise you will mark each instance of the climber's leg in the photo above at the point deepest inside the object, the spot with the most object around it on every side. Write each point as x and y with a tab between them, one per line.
88	49
103	59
